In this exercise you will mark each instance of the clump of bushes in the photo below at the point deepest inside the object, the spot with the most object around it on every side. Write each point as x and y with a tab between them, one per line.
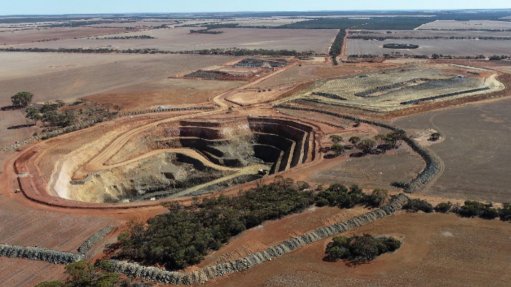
360	249
443	207
344	197
183	236
475	208
340	196
415	205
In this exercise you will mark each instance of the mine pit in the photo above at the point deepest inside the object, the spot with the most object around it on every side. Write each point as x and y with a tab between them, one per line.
190	158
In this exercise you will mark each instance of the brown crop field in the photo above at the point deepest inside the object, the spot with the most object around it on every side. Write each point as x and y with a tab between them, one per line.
457	48
475	151
180	39
466	25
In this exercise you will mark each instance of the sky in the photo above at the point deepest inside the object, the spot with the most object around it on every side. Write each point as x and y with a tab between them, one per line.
25	7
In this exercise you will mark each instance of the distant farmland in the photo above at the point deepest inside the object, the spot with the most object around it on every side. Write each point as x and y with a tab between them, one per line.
179	39
467	25
458	48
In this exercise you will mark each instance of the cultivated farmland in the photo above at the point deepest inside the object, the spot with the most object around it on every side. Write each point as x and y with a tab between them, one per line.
180	39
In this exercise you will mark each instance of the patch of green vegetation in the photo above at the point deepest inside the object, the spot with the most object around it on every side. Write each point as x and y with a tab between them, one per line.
415	205
85	274
359	249
21	99
183	236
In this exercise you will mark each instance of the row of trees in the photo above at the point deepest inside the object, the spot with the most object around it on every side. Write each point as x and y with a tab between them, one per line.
380	144
468	209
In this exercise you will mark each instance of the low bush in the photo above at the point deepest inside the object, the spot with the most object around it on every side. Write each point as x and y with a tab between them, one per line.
505	212
443	207
475	208
415	205
340	196
360	249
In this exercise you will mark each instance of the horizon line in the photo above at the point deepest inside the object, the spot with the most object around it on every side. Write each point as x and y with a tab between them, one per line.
260	11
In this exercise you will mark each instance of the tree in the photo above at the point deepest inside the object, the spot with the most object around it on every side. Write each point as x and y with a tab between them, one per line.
32	113
354	140
336	139
378	197
338	149
366	146
21	99
84	274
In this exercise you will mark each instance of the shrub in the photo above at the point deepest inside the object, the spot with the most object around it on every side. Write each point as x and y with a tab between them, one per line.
21	99
400	184
377	197
443	207
415	205
359	249
505	212
475	208
340	196
84	274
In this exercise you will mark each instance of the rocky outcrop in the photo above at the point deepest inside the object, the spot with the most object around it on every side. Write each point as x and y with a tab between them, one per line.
37	253
222	269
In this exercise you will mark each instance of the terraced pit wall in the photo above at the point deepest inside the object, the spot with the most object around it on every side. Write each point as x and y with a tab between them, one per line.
433	163
208	273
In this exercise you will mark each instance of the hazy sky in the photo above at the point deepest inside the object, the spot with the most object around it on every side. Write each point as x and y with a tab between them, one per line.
10	7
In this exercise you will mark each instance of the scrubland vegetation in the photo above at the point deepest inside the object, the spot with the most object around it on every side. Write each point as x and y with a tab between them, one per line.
360	249
184	235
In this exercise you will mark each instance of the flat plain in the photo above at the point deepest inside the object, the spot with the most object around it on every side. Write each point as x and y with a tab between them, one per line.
180	39
475	149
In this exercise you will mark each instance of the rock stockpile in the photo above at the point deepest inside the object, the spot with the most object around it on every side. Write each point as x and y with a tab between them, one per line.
222	269
37	253
95	238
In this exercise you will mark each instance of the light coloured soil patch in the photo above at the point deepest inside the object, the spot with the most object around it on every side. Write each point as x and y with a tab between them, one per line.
180	39
437	250
466	25
459	48
475	150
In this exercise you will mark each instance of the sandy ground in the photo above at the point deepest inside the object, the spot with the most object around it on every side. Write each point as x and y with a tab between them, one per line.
437	250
